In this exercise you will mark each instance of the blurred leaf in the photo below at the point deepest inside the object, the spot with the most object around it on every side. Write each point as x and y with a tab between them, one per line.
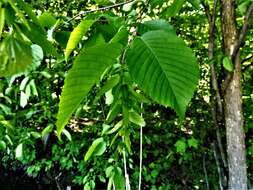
67	134
135	118
2	145
181	146
47	19
19	152
46	131
175	8
97	148
15	56
2	20
192	142
227	63
23	99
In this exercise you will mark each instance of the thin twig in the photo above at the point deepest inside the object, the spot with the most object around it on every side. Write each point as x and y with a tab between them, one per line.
100	9
218	166
205	172
141	138
244	30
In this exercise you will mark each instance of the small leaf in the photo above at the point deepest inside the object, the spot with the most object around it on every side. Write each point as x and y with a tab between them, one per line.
46	19
23	83
135	118
97	148
2	145
46	131
180	146
36	135
109	84
192	142
19	151
109	97
37	56
67	134
23	99
116	127
76	35
227	63
2	20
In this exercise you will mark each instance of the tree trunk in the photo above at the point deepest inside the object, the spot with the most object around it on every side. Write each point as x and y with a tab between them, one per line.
233	103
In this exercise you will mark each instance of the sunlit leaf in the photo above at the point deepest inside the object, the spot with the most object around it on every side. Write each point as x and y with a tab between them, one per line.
165	68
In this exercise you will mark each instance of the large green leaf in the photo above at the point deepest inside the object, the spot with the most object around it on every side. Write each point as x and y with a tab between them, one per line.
164	67
86	71
76	35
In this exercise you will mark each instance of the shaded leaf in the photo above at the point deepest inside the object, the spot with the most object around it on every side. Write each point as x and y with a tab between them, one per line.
86	71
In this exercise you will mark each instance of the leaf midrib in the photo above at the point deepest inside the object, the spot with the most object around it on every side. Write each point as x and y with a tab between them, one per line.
152	51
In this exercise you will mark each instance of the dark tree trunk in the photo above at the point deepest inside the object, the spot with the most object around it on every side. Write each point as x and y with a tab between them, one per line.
233	102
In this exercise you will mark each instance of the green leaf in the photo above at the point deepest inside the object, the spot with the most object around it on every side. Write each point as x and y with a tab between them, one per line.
15	56
181	146
37	56
135	118
109	84
39	36
46	19
86	71
2	145
97	148
227	64
19	151
121	36
119	179
2	20
154	25
33	88
29	11
76	35
165	68
23	83
46	131
192	142
67	134
174	9
23	99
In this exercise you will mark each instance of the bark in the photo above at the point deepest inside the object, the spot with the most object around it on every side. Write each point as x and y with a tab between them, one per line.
233	102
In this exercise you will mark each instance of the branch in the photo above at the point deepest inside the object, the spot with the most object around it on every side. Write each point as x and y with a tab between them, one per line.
207	10
244	30
247	59
101	9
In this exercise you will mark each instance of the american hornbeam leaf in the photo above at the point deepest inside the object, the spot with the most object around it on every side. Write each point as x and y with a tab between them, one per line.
165	68
86	71
76	35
